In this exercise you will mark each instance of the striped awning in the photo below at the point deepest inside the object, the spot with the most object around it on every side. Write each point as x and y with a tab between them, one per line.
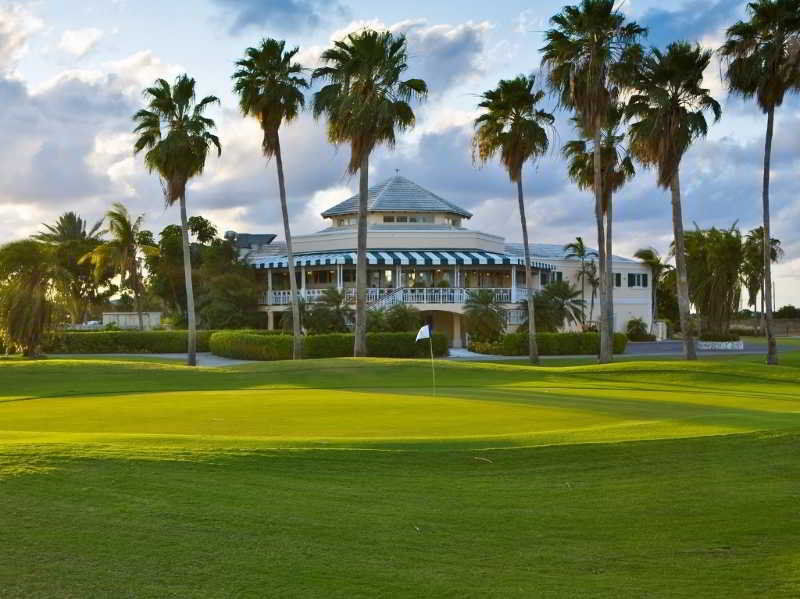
404	257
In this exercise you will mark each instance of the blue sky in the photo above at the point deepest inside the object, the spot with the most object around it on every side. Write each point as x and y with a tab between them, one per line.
71	75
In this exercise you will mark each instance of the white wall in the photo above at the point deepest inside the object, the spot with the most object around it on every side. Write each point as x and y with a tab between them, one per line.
130	320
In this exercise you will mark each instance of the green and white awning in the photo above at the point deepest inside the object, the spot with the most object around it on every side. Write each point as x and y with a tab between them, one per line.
403	257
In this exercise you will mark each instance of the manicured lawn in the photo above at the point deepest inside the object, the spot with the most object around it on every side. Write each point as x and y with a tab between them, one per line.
345	478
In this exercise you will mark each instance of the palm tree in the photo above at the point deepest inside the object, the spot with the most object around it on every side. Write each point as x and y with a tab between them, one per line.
577	249
29	272
566	301
484	317
616	168
514	127
591	276
270	89
365	103
76	283
753	268
658	267
588	57
177	137
120	254
668	104
763	57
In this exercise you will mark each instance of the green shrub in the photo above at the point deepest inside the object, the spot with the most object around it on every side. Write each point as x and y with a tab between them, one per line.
483	347
403	317
131	342
745	331
637	330
722	337
233	344
559	344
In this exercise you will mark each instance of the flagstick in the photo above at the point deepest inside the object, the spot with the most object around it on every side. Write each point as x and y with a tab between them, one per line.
433	370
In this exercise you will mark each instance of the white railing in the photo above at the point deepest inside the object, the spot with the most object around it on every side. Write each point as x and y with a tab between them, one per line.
386	298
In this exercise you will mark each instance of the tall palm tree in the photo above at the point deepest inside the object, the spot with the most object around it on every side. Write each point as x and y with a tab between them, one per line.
366	104
77	283
578	249
120	254
763	57
588	56
658	268
177	136
270	88
753	268
616	168
514	127
29	272
669	105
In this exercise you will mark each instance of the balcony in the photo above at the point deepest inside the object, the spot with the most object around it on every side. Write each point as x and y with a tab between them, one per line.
385	298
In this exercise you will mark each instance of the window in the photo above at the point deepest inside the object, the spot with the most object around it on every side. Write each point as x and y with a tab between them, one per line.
637	279
402	219
321	277
426	219
349	275
617	279
455	222
388	219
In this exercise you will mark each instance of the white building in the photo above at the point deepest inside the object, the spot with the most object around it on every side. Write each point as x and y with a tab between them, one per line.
420	253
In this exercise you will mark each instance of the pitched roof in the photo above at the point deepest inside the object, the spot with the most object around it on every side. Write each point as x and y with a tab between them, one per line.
398	194
552	251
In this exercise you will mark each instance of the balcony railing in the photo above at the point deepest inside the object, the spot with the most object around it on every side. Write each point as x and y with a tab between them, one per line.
385	298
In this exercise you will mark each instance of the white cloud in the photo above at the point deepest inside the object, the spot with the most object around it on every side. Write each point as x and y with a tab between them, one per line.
79	42
17	25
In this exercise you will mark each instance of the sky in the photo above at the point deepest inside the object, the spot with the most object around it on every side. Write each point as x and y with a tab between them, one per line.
72	73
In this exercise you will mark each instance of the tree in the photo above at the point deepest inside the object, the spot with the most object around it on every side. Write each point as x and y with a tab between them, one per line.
590	275
330	314
753	272
270	88
715	258
484	317
577	249
76	283
121	253
588	56
177	136
668	105
403	317
658	268
763	59
617	169
513	126
366	104
29	271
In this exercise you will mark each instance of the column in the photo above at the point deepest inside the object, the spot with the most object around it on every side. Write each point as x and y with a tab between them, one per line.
513	283
339	282
269	287
457	331
270	320
303	282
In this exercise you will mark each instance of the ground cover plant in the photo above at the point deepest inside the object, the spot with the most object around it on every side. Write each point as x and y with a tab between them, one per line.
349	478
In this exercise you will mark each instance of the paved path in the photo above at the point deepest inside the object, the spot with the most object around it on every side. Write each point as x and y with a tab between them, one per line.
206	359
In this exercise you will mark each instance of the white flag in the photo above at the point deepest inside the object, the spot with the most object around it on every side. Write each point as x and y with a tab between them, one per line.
424	333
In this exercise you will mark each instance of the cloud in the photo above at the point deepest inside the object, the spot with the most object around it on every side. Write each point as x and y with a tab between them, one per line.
693	21
17	25
79	42
286	15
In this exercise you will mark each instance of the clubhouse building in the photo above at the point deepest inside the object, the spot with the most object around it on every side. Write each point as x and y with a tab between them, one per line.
421	253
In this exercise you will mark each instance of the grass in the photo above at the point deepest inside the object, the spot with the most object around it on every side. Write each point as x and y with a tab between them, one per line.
349	478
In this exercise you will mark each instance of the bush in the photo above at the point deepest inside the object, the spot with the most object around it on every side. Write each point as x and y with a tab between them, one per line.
745	331
559	344
637	330
403	317
131	342
722	337
231	344
483	347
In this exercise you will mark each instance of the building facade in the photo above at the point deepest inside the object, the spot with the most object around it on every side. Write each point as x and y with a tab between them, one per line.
420	253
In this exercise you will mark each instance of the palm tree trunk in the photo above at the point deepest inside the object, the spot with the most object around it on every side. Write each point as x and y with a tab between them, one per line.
137	300
533	350
360	337
610	276
187	274
583	290
680	265
604	356
297	339
654	299
772	346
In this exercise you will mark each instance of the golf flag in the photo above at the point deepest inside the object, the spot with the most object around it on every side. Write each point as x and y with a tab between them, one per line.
424	333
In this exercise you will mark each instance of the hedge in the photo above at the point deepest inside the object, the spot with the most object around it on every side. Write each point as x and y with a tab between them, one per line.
140	342
246	346
551	344
719	337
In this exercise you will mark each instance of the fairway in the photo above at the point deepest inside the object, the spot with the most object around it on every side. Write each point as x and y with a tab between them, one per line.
350	478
